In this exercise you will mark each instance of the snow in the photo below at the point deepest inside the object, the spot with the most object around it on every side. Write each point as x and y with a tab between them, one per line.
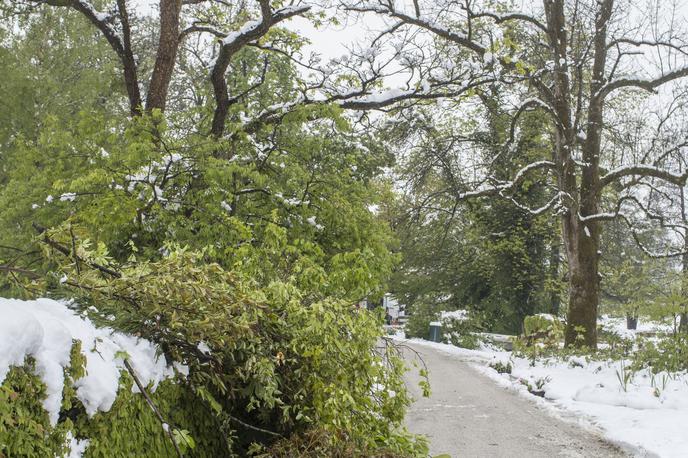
245	29
203	348
618	326
44	329
77	447
313	222
647	416
460	315
252	26
381	96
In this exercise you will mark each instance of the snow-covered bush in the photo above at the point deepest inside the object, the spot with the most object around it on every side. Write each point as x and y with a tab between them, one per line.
265	361
460	328
64	389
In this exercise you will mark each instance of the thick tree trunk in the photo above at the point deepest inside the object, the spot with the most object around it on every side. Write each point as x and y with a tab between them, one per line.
582	234
581	249
166	55
683	324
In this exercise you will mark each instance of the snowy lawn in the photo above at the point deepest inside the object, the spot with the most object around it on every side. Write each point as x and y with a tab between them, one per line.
643	413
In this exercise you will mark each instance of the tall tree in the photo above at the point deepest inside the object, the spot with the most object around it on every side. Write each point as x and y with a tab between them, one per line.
574	61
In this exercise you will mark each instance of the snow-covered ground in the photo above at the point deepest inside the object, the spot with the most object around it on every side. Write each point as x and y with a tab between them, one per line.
618	325
647	415
44	329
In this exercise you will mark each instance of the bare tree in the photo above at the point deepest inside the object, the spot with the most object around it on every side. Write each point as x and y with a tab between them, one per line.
579	62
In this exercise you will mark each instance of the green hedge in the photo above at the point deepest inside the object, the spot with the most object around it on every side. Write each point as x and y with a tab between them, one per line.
128	429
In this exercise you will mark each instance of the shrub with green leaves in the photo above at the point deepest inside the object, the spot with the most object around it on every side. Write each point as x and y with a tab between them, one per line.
129	427
463	332
266	360
666	354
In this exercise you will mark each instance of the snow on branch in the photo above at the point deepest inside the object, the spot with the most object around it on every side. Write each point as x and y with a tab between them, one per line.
422	22
502	188
618	213
646	84
501	18
644	171
235	41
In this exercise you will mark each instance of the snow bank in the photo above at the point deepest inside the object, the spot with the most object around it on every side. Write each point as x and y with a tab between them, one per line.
648	414
44	329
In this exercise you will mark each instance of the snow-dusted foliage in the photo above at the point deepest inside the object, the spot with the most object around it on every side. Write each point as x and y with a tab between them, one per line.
45	329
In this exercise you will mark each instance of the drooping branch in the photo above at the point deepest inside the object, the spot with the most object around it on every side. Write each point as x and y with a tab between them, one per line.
645	84
502	188
645	170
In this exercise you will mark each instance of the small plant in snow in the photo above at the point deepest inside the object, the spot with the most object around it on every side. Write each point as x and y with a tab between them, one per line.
624	375
501	367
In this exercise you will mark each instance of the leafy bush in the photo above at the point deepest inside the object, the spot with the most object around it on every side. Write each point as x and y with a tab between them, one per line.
668	354
542	327
501	367
129	427
265	360
462	332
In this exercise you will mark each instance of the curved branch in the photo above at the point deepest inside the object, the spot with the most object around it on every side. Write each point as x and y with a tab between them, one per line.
231	44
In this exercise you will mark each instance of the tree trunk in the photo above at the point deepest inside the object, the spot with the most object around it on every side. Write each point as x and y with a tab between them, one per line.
581	248
166	55
555	298
583	236
683	325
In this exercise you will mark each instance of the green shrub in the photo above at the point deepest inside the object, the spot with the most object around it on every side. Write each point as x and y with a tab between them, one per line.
668	354
542	327
277	355
500	367
127	429
462	332
25	429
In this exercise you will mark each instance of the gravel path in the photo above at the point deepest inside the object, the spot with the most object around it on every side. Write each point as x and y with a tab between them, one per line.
468	415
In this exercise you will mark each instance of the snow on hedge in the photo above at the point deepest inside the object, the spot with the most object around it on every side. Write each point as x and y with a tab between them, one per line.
44	329
647	414
459	315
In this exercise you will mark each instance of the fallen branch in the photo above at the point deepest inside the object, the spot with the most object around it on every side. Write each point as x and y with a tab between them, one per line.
165	425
